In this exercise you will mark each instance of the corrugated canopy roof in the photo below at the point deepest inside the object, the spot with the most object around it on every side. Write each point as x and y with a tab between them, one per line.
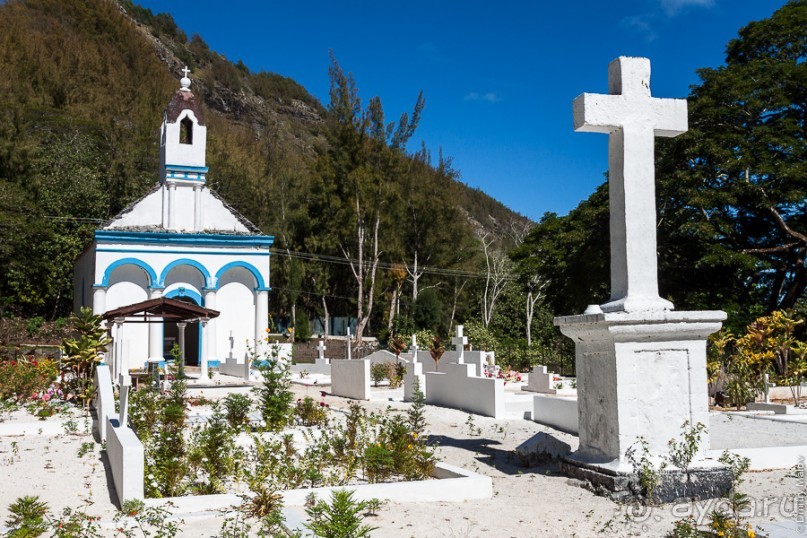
162	307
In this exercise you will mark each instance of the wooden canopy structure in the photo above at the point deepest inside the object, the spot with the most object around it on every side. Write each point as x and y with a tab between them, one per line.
162	308
157	310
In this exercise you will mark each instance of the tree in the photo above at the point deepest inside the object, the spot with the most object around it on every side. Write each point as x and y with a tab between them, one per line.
398	275
570	254
428	310
366	157
736	180
498	273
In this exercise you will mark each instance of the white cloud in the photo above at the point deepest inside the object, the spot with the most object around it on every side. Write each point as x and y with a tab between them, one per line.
490	97
641	24
673	7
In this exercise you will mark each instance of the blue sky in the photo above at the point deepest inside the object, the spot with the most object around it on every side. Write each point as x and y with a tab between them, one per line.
499	77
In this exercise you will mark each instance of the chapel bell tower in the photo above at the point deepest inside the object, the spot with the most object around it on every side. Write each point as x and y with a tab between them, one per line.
183	143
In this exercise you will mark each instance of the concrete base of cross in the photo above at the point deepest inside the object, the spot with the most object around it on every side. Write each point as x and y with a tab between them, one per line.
704	482
639	375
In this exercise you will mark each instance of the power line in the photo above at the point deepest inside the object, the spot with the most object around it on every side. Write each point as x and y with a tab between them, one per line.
336	260
307	256
314	293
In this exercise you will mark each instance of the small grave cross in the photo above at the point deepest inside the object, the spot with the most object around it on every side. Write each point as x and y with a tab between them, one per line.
348	342
186	71
321	350
632	119
460	342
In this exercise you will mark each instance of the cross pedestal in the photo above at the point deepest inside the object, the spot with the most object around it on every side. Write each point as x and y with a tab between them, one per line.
641	367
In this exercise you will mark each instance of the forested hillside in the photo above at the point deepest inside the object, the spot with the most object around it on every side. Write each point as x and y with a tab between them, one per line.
357	218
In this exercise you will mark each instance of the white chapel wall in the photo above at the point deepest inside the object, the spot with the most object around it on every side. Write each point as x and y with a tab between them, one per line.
128	284
235	299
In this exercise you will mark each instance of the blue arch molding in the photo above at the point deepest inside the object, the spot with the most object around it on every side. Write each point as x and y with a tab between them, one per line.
153	282
176	239
185	292
185	261
260	285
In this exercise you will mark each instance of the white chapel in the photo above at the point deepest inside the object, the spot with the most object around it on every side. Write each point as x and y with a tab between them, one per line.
180	241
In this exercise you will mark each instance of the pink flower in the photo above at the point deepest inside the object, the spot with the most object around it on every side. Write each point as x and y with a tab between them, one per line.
45	397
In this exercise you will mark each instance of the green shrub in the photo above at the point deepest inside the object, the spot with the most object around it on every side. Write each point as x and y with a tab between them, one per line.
237	409
311	413
378	372
34	325
82	355
213	454
274	396
27	517
341	518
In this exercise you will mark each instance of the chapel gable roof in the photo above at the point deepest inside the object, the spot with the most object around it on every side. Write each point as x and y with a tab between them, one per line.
114	221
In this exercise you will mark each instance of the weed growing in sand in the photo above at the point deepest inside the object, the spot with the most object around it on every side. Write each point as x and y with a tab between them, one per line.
135	519
473	429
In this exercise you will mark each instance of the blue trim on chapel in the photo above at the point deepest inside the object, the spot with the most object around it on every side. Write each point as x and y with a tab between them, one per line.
219	240
251	268
184	168
185	292
153	283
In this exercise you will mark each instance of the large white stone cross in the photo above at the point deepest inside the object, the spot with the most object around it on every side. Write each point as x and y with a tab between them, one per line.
631	118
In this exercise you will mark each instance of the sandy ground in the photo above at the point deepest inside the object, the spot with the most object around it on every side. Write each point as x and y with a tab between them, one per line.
527	502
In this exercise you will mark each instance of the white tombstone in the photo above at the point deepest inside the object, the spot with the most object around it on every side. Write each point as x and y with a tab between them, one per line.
641	367
125	386
540	380
459	343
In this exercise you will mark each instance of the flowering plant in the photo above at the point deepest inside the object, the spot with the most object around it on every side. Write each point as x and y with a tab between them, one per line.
25	380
